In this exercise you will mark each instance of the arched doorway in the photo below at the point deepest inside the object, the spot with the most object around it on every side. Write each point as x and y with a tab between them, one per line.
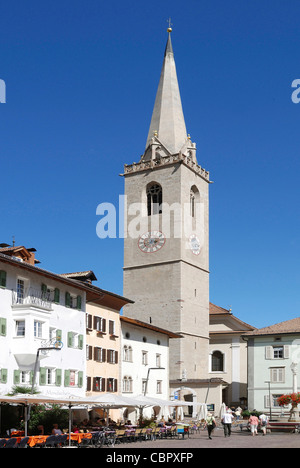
186	394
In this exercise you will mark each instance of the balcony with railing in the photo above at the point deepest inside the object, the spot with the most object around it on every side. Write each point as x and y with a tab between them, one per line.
31	298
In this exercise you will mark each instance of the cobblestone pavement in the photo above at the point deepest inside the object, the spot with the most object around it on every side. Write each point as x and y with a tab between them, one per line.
237	439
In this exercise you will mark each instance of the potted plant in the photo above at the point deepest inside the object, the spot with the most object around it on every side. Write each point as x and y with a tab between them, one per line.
291	399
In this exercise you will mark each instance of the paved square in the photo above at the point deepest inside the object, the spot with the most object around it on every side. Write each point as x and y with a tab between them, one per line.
237	439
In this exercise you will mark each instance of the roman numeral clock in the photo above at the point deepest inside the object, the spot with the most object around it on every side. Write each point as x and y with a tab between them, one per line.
151	241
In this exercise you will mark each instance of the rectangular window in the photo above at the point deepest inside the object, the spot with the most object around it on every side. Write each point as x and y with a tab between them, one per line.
20	328
25	377
38	328
111	325
20	291
98	384
99	354
277	375
144	358
75	340
112	385
72	378
50	376
112	356
278	352
100	324
159	386
158	360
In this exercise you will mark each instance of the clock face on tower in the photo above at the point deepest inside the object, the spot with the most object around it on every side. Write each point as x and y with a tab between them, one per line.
151	241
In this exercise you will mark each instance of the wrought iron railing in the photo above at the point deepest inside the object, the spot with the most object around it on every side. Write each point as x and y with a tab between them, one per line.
32	297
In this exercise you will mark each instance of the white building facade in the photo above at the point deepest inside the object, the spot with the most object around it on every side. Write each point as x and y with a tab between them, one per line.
145	359
39	309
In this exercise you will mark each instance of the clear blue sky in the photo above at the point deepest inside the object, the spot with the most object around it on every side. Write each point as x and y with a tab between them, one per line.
81	80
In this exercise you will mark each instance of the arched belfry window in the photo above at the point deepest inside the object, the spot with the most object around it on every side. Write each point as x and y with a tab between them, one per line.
194	199
154	199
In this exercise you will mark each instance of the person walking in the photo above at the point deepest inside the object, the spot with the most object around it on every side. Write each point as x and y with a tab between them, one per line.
263	419
210	424
227	421
253	421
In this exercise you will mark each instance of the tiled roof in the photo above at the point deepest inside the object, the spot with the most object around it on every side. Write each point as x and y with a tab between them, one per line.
138	323
80	274
287	327
214	309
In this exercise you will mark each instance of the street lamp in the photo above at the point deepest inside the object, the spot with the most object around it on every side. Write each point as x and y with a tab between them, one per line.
270	400
57	346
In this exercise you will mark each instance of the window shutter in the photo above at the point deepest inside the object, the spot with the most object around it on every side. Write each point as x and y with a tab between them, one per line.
70	339
90	352
67	378
58	374
58	335
56	295
88	384
116	357
42	376
68	299
89	321
269	352
79	302
80	341
44	289
17	374
102	384
80	379
3	326
3	279
103	325
94	383
3	376
95	323
103	355
115	385
286	351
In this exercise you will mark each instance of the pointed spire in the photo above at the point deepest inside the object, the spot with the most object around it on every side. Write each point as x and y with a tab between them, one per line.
167	117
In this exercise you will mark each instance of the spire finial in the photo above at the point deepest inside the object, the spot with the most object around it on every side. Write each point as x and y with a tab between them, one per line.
170	24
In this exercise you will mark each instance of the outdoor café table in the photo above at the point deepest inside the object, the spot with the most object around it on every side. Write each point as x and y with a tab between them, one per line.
33	440
78	436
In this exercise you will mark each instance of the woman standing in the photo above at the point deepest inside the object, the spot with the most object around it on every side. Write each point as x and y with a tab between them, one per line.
253	421
210	423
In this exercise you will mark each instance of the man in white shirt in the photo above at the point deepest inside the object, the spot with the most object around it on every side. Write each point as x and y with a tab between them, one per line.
263	423
227	421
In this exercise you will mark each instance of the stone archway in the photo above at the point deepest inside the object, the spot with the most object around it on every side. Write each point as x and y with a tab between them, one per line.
186	394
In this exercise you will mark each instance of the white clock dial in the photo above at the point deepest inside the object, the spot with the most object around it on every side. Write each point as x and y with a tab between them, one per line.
151	241
194	244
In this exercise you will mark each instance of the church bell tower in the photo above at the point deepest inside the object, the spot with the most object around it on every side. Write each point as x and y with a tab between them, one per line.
166	245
